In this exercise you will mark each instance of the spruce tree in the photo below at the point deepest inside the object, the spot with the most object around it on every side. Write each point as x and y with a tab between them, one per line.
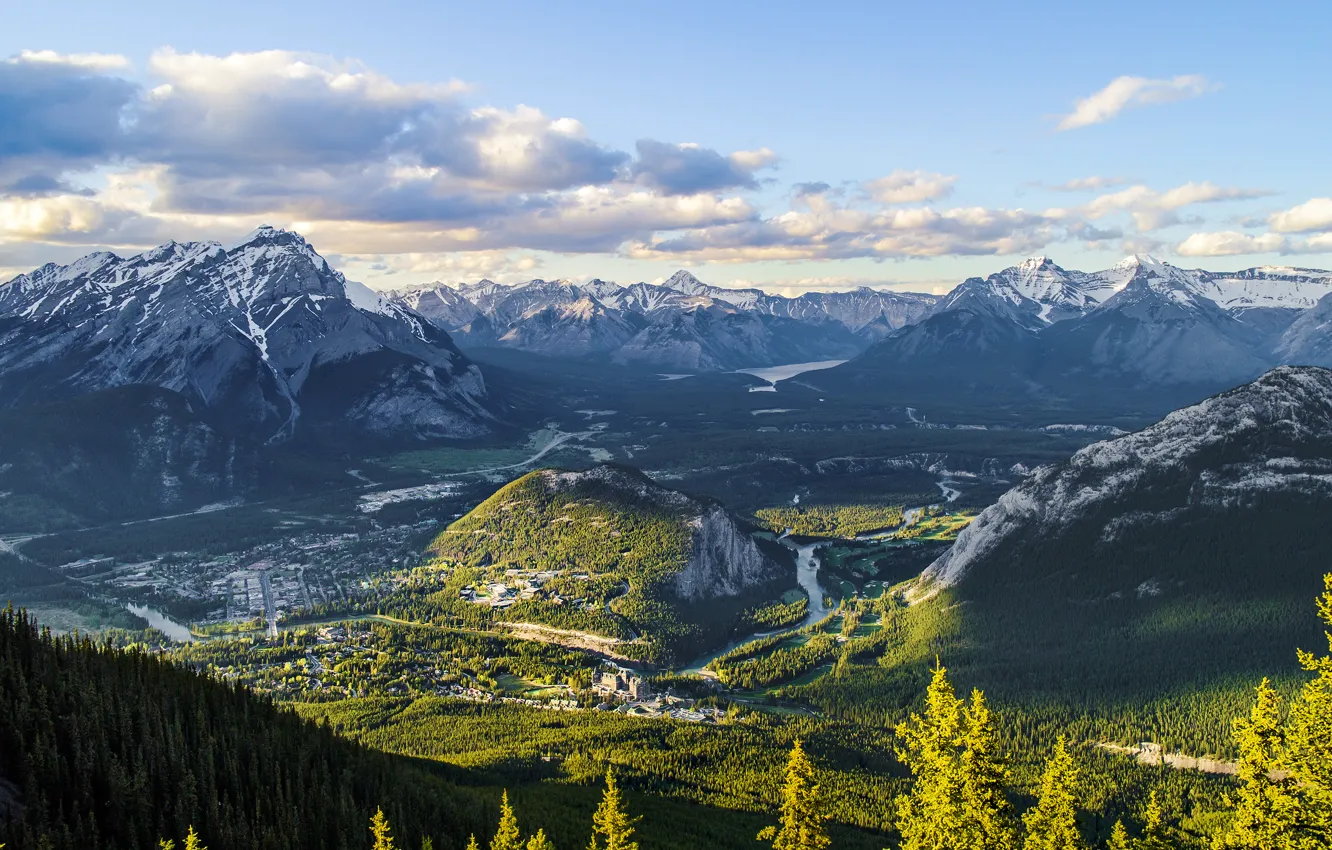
802	815
611	821
1119	839
1309	737
1156	832
1053	823
427	843
1268	811
379	828
539	841
929	816
507	837
987	814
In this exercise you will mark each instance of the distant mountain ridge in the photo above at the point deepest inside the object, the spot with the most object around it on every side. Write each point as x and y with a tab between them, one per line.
1143	329
264	339
681	323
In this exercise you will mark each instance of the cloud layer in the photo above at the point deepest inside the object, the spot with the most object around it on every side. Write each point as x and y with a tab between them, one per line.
416	177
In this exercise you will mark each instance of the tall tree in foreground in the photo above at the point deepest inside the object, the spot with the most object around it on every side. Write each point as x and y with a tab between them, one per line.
987	813
1268	810
507	836
1156	832
379	828
1053	823
930	815
957	801
1119	839
802	809
1309	738
192	840
611	821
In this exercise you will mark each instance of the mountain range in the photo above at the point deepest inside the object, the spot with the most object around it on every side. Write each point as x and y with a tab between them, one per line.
262	339
681	323
1140	328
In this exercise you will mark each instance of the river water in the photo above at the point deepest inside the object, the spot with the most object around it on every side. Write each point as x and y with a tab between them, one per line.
164	624
807	576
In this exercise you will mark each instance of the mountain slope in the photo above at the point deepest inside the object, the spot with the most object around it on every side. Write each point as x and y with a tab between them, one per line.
115	750
617	554
132	452
264	339
1113	587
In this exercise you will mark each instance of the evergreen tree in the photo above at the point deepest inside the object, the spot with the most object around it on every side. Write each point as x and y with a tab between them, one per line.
1053	823
957	800
1268	811
379	828
987	813
611	821
1155	833
192	841
1119	839
427	843
507	837
539	841
929	817
801	811
1309	739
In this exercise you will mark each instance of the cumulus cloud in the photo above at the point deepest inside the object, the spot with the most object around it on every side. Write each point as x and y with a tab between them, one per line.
1228	243
1127	92
686	169
1311	216
1151	209
825	229
910	187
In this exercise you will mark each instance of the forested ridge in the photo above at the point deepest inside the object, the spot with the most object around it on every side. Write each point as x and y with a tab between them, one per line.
103	749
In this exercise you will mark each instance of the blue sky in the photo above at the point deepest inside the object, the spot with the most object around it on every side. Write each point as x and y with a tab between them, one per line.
788	145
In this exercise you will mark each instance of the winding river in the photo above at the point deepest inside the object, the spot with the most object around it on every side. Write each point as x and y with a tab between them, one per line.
807	576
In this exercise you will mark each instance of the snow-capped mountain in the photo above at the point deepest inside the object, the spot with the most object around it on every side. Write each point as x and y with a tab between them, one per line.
532	316
1146	332
263	338
1262	442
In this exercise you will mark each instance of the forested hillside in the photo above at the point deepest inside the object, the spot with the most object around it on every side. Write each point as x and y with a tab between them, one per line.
102	749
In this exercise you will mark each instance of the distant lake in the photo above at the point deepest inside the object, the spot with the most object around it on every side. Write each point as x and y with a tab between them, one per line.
773	374
163	623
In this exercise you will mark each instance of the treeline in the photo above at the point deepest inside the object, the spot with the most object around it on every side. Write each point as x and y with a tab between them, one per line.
831	520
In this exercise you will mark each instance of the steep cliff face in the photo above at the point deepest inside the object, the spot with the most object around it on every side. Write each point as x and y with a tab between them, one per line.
723	560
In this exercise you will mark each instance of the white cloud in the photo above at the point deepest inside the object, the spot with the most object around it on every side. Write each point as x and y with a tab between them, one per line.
1228	243
1310	216
910	187
1151	209
87	61
1126	92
